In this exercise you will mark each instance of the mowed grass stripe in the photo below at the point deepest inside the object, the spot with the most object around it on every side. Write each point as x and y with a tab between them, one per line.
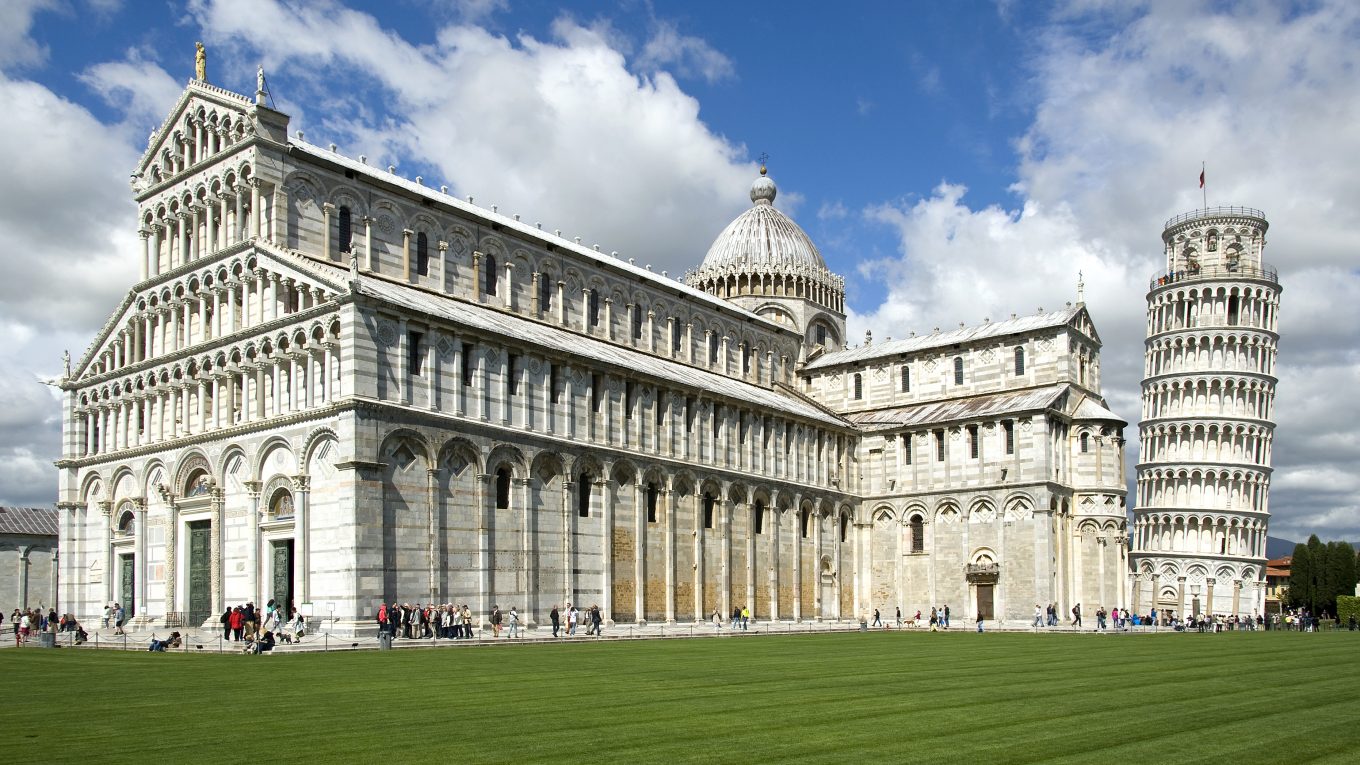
895	697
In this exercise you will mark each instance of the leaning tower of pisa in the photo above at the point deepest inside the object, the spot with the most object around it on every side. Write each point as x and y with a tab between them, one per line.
1199	529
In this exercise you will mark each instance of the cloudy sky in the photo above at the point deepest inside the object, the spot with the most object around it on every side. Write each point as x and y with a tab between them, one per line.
954	160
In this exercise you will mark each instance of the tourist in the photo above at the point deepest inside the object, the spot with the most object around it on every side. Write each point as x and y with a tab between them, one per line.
1076	616
238	623
118	619
514	623
225	621
108	614
495	620
14	620
556	619
716	617
944	618
746	616
467	622
934	620
916	620
573	616
979	622
1038	616
24	622
597	620
878	622
899	617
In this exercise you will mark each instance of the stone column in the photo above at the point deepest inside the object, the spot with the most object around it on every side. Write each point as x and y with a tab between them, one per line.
327	209
1180	596
567	552
639	550
775	516
725	528
749	510
818	607
302	510
432	507
798	559
145	270
406	235
256	209
369	262
442	278
477	293
483	547
1209	596
699	555
1237	596
529	553
609	493
253	489
668	496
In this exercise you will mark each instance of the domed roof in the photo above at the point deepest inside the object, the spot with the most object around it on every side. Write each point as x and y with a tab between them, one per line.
763	237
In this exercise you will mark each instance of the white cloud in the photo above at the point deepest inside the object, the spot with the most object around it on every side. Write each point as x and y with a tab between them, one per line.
1267	98
17	47
561	131
685	54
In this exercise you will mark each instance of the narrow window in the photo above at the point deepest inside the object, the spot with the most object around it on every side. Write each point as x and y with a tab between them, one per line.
712	348
939	446
658	411
545	292
422	254
716	421
906	448
553	390
583	488
652	495
503	488
918	540
593	307
1085	443
413	354
906	379
958	370
973	441
596	392
821	334
708	511
675	337
845	528
1233	311
1019	361
689	414
859	386
758	517
468	364
628	399
637	322
512	375
806	523
489	274
1009	427
346	229
745	360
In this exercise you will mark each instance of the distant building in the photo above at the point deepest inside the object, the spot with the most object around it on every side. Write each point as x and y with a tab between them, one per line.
28	557
1277	582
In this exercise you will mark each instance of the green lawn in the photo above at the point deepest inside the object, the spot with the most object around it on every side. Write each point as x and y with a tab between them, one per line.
881	697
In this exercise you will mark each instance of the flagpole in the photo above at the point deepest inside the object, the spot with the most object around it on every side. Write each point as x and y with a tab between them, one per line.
1203	186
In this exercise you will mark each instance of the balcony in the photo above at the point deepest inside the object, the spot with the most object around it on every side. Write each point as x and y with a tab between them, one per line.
982	572
1265	272
1216	212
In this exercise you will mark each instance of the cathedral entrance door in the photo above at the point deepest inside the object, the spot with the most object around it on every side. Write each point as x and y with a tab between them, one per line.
282	568
829	599
985	601
127	584
200	575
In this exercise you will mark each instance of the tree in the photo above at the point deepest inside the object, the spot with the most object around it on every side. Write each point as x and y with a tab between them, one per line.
1340	572
1301	578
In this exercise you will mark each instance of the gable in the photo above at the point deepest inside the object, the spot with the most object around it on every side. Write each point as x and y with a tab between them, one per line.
202	110
1081	322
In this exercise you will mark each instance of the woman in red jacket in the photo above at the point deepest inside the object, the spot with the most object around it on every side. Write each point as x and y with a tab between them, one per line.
238	623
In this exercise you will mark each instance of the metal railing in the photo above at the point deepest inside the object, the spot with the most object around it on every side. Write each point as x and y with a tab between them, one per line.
1210	212
1265	272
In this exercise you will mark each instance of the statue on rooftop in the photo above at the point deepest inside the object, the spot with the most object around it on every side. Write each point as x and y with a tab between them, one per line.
200	62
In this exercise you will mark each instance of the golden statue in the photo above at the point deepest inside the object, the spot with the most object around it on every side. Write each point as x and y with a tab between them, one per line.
200	63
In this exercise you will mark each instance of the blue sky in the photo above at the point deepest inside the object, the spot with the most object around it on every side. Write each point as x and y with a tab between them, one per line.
954	161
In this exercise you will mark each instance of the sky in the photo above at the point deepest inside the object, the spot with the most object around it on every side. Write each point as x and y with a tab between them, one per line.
954	161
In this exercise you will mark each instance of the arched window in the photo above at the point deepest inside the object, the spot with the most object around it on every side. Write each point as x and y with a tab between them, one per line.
845	528
821	334
422	254
709	502
958	370
637	322
675	337
489	274
652	494
346	229
918	534
758	517
126	524
503	488
906	379
1019	361
859	386
593	307
712	348
806	523
1085	442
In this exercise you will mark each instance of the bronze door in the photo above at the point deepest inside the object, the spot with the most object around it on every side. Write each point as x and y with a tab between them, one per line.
200	572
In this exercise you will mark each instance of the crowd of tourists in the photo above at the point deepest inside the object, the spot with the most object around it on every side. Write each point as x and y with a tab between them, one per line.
28	622
260	631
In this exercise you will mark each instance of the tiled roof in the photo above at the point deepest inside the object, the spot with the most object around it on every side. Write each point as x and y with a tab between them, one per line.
34	521
1090	409
959	409
478	317
941	339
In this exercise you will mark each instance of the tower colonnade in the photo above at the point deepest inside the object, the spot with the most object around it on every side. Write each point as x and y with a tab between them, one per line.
1200	525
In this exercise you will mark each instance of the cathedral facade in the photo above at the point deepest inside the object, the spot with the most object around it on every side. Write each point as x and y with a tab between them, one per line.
334	386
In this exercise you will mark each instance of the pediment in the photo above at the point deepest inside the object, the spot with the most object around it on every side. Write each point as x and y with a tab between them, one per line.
1081	322
218	108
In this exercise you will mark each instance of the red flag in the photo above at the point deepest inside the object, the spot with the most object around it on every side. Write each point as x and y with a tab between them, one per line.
1201	179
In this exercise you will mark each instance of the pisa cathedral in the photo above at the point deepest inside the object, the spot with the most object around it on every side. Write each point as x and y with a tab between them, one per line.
335	386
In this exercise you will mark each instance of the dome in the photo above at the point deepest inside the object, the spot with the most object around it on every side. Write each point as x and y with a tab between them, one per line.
763	238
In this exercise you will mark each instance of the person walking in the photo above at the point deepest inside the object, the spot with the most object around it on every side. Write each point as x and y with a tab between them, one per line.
979	622
108	614
118	618
573	617
946	616
878	621
514	623
746	617
556	619
899	617
496	620
1076	616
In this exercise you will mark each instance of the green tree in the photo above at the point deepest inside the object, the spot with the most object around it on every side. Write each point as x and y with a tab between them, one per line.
1340	572
1301	578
